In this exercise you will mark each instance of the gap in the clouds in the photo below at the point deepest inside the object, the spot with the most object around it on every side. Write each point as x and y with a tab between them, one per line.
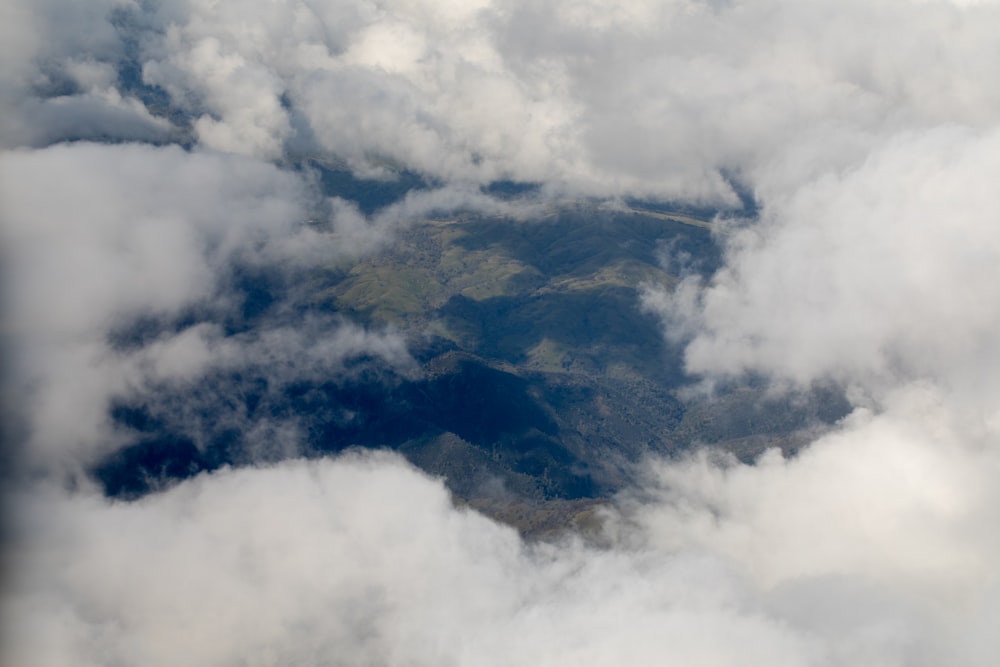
138	331
765	416
749	205
100	94
132	25
159	456
256	292
371	195
53	83
537	382
507	189
250	294
368	194
506	430
149	465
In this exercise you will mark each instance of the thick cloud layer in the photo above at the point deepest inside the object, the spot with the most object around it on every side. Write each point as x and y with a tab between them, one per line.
874	273
871	260
651	98
364	561
648	97
866	131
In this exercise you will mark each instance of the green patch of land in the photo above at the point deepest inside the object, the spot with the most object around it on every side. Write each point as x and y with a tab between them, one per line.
550	310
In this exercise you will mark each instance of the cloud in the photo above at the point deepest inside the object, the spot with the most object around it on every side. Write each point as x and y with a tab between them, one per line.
364	560
872	274
651	99
61	78
867	133
125	268
197	386
97	238
869	266
654	99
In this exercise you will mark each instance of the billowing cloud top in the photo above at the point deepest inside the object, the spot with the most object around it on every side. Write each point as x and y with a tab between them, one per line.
643	97
153	155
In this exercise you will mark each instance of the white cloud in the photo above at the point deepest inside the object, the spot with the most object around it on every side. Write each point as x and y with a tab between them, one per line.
871	274
363	560
868	132
604	98
598	97
59	80
95	237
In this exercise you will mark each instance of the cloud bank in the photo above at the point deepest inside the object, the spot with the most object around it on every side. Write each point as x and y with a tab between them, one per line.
658	99
866	132
364	560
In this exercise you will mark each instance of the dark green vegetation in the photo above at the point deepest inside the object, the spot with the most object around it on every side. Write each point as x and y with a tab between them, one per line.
540	382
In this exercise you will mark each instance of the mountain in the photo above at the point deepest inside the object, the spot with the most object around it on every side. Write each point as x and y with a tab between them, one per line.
540	383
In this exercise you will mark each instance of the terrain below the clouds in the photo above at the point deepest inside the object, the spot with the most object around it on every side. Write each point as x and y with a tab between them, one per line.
541	383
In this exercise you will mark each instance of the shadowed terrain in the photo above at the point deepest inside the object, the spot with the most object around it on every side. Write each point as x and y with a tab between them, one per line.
540	382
